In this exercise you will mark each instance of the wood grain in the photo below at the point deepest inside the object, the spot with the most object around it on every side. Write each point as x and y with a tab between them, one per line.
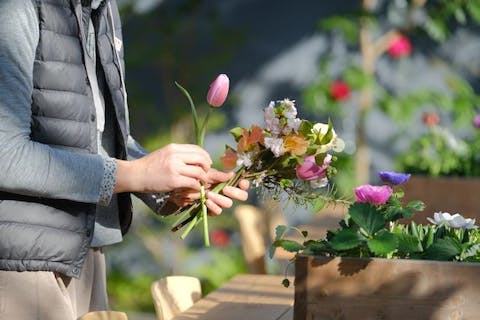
245	297
350	288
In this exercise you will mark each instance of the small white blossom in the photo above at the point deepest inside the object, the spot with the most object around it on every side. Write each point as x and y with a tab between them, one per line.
456	221
275	145
319	183
294	124
290	110
244	159
272	123
259	180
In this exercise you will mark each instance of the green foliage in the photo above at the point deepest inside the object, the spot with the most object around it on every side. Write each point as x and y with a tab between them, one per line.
373	231
130	292
439	153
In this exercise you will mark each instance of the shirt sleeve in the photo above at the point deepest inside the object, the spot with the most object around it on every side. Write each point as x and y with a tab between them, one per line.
28	167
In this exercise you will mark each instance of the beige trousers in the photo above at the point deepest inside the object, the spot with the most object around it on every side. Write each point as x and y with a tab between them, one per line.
40	295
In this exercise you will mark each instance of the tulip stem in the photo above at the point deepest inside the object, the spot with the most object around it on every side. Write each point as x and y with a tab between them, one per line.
194	112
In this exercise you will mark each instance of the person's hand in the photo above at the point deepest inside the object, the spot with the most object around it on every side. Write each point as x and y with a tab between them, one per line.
215	202
174	166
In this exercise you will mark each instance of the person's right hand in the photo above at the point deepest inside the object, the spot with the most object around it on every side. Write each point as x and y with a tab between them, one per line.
171	167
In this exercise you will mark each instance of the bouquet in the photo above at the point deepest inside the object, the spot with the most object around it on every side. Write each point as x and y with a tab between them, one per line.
288	155
372	229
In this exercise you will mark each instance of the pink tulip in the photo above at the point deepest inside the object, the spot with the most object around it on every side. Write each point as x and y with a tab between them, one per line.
218	91
309	170
400	47
376	195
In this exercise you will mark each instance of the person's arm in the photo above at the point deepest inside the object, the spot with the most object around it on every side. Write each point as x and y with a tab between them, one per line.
28	167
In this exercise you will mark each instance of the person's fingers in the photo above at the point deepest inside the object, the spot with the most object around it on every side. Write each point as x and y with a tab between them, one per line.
195	172
235	193
220	200
215	176
186	182
213	208
244	184
195	159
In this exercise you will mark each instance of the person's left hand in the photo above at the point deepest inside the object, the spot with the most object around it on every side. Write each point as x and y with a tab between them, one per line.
215	202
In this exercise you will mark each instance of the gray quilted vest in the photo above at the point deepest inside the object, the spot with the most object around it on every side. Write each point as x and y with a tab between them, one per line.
55	235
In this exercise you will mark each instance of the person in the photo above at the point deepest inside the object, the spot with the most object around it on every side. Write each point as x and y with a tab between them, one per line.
68	162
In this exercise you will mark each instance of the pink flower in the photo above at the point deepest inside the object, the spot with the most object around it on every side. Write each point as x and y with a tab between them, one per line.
400	47
376	195
339	90
218	91
309	170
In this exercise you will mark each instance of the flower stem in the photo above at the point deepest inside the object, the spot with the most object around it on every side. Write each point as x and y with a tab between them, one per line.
203	199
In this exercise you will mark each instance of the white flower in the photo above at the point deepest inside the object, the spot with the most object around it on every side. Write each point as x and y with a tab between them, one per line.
290	110
275	145
456	221
244	159
321	128
319	183
294	124
336	144
272	123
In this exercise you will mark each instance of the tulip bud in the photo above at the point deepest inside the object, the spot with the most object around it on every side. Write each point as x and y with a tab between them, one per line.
218	91
309	170
400	47
339	90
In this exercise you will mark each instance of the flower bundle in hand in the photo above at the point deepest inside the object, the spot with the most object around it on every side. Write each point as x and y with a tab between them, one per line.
289	154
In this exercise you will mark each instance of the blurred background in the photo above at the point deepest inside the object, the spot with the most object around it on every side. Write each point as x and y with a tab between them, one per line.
398	78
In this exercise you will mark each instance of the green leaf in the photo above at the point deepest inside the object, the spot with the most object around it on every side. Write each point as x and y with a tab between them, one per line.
383	243
305	128
237	133
408	243
280	231
347	26
416	205
471	251
288	245
436	29
367	217
473	8
443	249
320	158
196	124
346	239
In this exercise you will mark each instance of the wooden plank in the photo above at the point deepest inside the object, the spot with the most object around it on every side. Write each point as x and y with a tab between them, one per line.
349	288
446	194
248	297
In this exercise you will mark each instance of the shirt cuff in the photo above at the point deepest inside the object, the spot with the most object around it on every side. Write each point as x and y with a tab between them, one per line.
109	181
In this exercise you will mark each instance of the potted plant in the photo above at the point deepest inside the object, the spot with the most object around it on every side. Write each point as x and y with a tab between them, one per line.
374	267
445	169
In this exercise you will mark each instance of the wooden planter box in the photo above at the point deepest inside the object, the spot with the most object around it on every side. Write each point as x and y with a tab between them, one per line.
352	288
446	194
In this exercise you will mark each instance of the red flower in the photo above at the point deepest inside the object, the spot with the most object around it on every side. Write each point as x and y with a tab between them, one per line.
430	119
220	238
400	47
339	90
